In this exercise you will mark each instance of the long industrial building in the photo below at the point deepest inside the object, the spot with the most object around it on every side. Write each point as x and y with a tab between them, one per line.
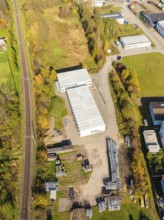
86	114
114	181
135	41
73	78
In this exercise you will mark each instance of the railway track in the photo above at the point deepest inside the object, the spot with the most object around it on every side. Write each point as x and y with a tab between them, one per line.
25	201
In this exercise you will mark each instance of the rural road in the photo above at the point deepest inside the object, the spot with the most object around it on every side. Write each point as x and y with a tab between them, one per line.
25	201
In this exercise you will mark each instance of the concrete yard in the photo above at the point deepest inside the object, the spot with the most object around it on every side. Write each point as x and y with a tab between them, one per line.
96	144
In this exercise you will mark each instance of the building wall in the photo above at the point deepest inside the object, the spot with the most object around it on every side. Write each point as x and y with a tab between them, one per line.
155	122
120	20
137	45
160	29
161	133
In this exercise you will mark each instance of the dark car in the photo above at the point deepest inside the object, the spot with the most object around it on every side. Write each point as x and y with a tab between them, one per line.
119	57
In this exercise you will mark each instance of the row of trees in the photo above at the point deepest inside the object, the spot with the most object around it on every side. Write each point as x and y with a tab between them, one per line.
128	122
10	123
130	80
156	162
8	187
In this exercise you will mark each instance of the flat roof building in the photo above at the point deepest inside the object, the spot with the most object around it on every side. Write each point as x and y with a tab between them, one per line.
151	18
113	202
157	112
74	78
117	16
160	27
113	182
135	41
86	114
61	147
151	141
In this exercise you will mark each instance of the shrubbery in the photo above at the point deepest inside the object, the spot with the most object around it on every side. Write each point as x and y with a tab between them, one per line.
128	122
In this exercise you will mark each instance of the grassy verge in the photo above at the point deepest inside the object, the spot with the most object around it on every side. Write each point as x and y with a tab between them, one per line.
129	210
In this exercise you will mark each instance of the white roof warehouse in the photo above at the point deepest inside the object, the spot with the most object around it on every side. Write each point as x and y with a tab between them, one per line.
74	78
135	41
86	114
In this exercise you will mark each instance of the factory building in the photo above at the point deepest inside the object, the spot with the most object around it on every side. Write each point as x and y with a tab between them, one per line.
86	114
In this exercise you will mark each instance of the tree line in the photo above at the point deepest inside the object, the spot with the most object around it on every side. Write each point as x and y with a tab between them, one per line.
10	123
128	122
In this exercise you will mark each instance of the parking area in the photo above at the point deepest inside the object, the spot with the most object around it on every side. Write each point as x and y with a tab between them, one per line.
151	6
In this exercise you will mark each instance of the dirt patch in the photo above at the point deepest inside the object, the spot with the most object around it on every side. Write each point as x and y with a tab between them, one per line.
78	214
64	205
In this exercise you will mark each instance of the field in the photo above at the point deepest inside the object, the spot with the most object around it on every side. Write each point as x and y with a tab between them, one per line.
62	40
107	9
129	211
4	68
149	68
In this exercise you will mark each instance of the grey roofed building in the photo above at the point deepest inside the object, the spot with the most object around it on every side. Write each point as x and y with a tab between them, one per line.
89	213
51	156
86	166
101	205
157	112
62	147
114	181
151	18
113	202
151	141
51	185
162	184
117	16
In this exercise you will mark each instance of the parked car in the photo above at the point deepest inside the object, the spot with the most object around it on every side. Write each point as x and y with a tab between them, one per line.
119	57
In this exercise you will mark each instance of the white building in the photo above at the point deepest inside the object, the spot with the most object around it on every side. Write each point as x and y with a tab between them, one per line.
135	41
3	45
117	16
53	194
151	141
86	114
161	133
160	27
73	79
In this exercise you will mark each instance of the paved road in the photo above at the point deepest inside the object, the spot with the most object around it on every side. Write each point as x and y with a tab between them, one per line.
155	37
25	203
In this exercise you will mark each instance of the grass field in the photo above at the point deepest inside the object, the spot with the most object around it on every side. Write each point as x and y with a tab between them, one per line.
5	73
62	39
107	9
129	211
129	29
150	71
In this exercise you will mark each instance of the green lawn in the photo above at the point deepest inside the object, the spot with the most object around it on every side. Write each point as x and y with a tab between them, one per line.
150	70
129	29
107	9
5	73
129	211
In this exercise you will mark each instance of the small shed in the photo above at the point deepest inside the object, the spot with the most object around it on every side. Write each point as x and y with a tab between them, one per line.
3	45
53	195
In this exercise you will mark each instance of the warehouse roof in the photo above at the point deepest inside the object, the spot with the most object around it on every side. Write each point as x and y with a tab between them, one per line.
153	17
134	39
151	140
85	111
73	77
112	15
161	23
